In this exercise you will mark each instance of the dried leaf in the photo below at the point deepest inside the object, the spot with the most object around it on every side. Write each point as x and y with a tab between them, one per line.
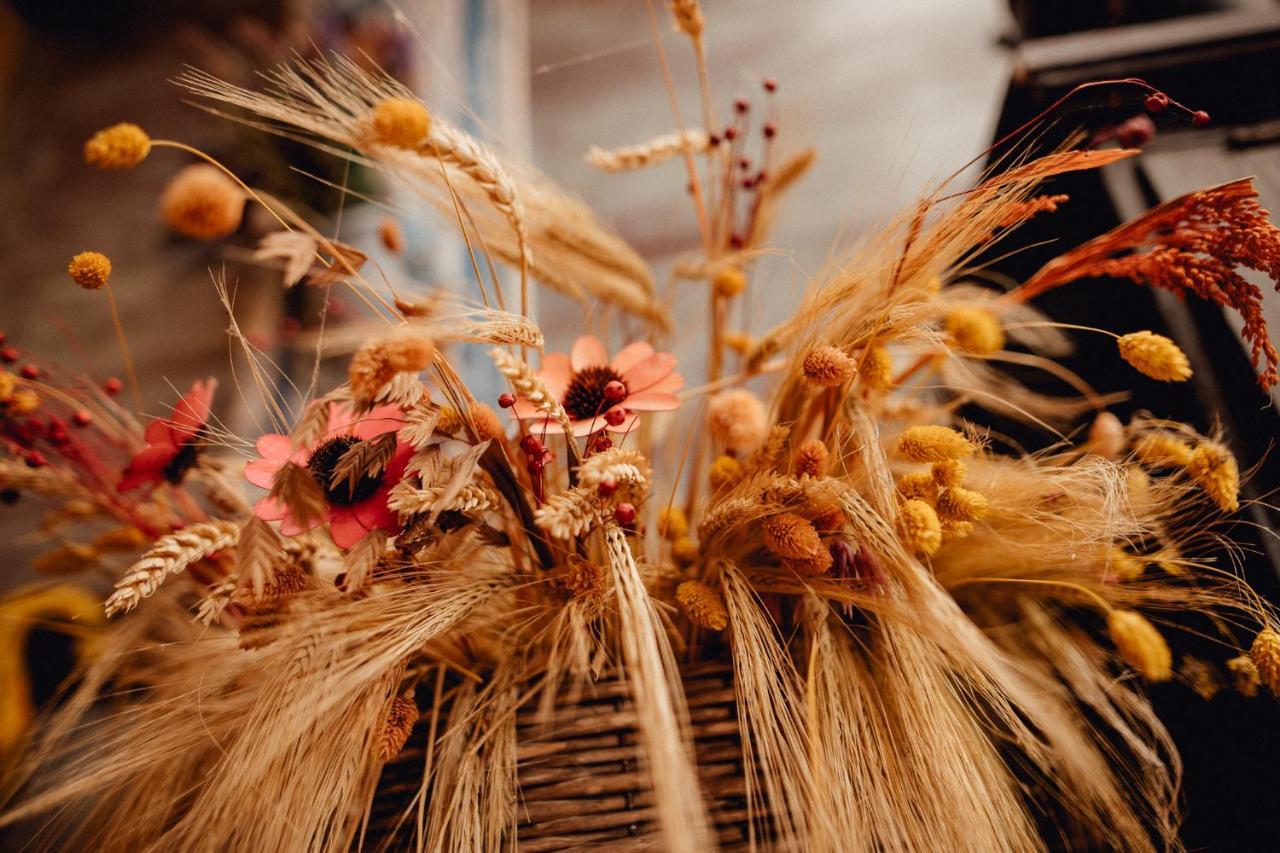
296	249
257	554
419	426
360	560
463	469
294	487
367	458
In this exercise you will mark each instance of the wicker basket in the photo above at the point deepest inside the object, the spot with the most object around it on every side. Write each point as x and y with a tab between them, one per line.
581	787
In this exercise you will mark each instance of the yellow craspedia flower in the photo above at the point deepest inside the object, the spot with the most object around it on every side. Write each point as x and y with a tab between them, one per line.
1214	468
919	527
827	367
949	472
401	122
1161	450
740	342
728	280
448	422
672	523
876	370
121	146
1155	356
90	270
203	203
1140	644
959	504
725	471
684	551
703	605
975	330
931	443
918	485
1265	654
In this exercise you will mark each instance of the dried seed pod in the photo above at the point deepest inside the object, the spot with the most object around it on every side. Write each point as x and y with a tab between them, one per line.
918	485
811	458
876	370
959	504
791	536
1244	675
1140	644
725	472
401	122
827	367
1265	654
672	523
121	146
1214	468
949	472
703	605
1155	356
201	202
1161	450
90	270
919	527
933	444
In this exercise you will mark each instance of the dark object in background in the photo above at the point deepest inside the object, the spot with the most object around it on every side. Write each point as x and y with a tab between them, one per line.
1040	18
1226	64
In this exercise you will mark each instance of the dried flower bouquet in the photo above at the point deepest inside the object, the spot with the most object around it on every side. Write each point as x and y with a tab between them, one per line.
931	642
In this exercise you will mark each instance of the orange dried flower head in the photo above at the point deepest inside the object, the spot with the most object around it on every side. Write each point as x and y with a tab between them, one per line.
829	519
725	471
975	330
827	367
7	384
818	564
1214	468
586	581
1244	674
672	523
1161	450
949	472
410	352
1156	356
876	370
737	420
791	536
960	504
203	203
919	527
369	371
932	443
121	146
1265	654
684	551
952	529
728	280
449	421
1140	644
90	270
918	485
401	122
811	458
487	423
703	605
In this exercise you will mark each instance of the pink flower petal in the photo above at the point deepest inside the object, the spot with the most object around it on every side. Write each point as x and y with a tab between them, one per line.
670	385
274	446
270	509
649	372
377	421
652	401
631	355
588	351
585	427
556	372
345	529
192	412
262	472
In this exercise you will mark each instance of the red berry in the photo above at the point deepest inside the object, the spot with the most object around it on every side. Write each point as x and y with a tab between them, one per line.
1136	131
607	487
741	105
747	183
736	241
770	130
1157	102
82	418
713	140
770	85
624	513
615	417
615	391
112	385
30	371
730	133
601	443
35	459
744	163
9	354
506	401
1200	118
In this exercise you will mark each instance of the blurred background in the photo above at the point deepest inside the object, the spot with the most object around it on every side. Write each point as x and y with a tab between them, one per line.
892	94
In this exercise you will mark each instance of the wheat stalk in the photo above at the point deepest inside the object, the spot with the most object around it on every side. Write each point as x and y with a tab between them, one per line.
657	150
528	385
170	555
409	500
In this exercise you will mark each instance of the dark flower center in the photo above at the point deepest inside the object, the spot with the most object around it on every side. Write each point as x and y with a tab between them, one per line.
322	463
584	399
185	458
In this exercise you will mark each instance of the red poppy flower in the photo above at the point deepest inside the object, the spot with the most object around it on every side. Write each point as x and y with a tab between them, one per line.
354	510
173	443
600	394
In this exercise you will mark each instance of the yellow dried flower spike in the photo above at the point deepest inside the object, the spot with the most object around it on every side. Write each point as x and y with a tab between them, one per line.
933	444
975	330
876	370
827	367
1140	645
201	202
684	551
703	605
791	536
919	527
1155	356
959	504
1161	450
918	485
740	342
410	352
1244	675
949	472
449	421
811	458
121	146
90	270
725	471
487	423
1214	468
956	529
672	523
737	420
401	122
728	280
1265	654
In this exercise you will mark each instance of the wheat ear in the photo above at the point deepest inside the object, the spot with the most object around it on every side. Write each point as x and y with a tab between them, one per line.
657	150
171	554
528	385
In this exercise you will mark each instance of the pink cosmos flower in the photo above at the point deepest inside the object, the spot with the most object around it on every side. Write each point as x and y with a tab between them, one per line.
172	443
353	510
582	380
